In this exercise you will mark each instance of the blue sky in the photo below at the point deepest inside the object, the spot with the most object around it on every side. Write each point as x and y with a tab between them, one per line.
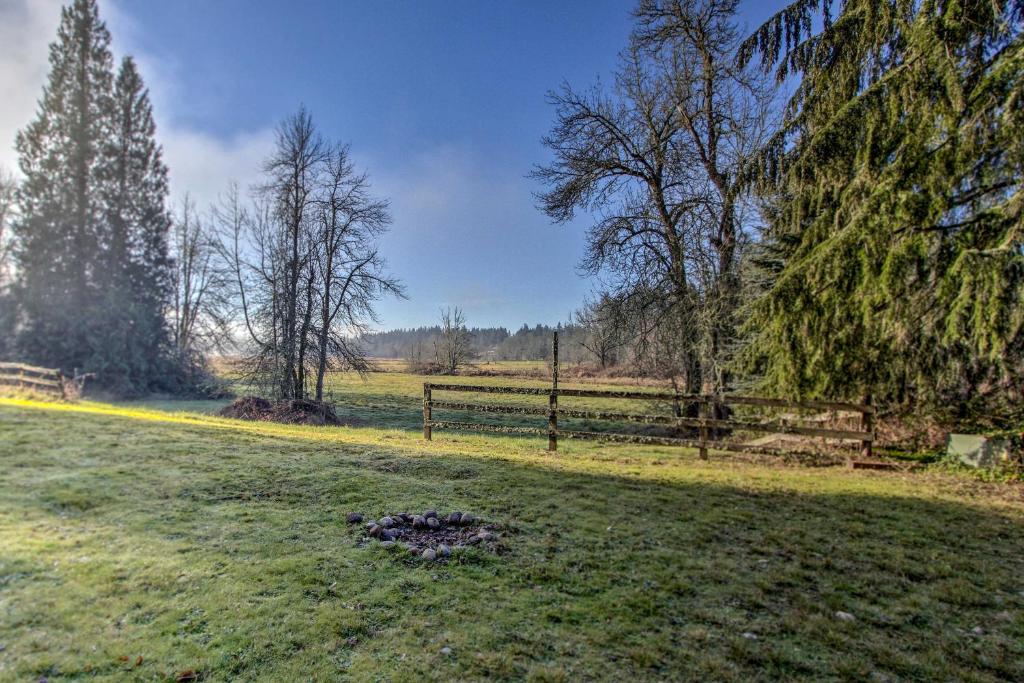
442	102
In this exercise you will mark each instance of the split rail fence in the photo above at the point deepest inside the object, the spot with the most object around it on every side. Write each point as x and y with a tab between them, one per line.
708	429
28	377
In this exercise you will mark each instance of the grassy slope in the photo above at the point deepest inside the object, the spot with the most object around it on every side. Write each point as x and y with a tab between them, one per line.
203	544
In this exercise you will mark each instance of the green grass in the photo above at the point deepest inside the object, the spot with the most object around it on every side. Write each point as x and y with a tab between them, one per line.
220	547
394	399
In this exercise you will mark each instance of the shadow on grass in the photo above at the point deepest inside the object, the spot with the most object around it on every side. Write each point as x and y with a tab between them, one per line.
675	574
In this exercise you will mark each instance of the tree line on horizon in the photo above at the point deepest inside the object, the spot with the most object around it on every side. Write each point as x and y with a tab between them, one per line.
417	344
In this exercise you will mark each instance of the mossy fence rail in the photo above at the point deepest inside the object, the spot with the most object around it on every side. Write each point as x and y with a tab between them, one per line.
708	429
31	378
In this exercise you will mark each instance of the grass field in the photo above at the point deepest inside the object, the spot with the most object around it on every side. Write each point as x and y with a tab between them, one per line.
147	541
393	398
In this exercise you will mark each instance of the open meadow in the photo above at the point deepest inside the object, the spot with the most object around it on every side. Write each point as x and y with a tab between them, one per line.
151	541
656	340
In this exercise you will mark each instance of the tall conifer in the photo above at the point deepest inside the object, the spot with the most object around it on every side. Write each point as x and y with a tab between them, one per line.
898	180
136	272
93	266
61	221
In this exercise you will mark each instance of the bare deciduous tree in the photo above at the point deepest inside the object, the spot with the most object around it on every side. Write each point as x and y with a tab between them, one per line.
293	172
304	263
8	187
658	159
604	334
350	273
200	315
725	117
452	348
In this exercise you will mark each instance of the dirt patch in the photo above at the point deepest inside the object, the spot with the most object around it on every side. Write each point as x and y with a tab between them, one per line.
295	411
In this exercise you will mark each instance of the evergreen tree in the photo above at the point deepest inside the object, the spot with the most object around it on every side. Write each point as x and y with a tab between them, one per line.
897	178
135	251
58	232
91	236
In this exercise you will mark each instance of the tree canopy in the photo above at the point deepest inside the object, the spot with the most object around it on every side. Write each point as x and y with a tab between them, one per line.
895	183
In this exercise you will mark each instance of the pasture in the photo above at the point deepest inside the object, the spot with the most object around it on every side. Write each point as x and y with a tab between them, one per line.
150	541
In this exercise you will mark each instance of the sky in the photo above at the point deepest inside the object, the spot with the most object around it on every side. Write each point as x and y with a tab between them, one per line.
442	102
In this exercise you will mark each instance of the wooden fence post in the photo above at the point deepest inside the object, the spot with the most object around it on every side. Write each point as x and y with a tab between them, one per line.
426	411
703	415
553	397
553	421
867	424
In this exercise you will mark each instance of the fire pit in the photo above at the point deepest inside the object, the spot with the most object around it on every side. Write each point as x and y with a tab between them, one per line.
431	536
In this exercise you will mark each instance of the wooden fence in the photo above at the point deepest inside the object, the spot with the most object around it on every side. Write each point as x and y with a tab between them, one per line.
28	377
709	431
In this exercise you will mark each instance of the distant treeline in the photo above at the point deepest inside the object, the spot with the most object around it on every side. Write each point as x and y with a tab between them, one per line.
487	343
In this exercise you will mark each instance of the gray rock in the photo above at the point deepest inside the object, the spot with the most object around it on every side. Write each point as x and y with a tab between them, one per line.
749	636
387	544
419	521
433	523
443	550
374	530
430	513
845	616
473	540
486	536
467	519
978	631
414	550
429	554
386	522
388	535
353	518
446	650
455	517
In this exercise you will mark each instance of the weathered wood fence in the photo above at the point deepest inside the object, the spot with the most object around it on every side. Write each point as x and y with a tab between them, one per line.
710	432
28	377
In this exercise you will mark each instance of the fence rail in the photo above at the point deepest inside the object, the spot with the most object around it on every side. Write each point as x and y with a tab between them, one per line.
43	380
707	427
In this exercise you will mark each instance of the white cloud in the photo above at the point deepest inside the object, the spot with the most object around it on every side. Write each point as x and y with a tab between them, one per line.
201	163
26	29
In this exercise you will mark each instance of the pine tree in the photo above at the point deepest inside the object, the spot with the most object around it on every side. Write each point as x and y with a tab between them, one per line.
93	265
59	229
897	177
135	253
